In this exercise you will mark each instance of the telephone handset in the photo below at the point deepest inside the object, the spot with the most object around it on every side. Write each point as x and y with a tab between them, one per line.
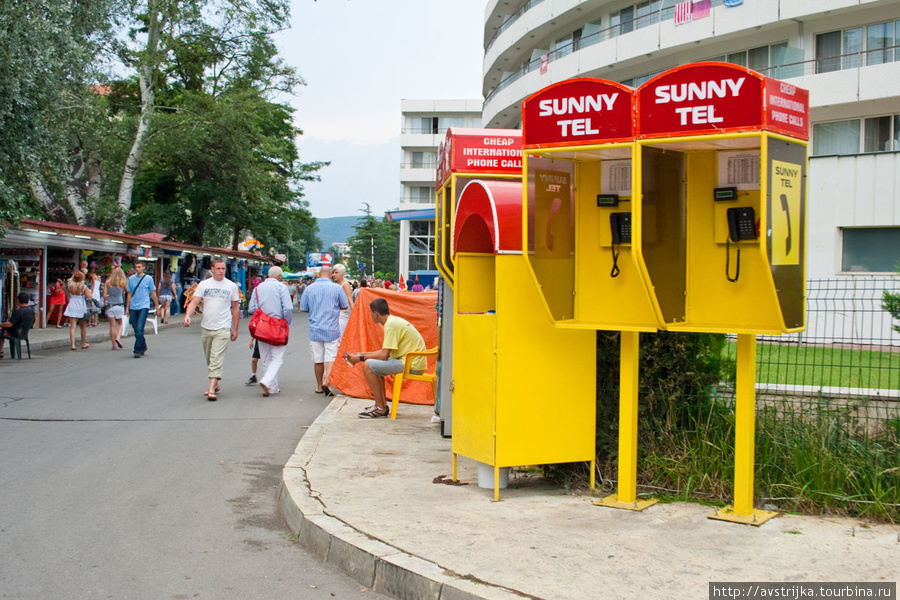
742	223
620	224
741	226
620	227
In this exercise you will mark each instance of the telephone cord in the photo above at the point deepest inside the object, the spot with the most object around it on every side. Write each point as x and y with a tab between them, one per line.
737	271
615	268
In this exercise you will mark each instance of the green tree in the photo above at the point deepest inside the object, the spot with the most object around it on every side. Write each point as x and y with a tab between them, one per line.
49	53
384	234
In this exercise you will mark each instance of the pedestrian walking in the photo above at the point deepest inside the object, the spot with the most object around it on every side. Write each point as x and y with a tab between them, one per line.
274	299
114	293
141	290
77	310
324	300
221	316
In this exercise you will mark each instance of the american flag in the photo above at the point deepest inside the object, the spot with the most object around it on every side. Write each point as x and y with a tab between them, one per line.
700	9
683	12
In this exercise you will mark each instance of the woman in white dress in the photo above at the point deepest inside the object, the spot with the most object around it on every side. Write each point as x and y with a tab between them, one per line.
339	276
79	296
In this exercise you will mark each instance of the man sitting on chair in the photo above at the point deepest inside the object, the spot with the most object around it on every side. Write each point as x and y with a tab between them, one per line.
400	338
13	328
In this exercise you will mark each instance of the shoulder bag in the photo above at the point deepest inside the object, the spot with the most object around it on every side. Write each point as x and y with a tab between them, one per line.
270	330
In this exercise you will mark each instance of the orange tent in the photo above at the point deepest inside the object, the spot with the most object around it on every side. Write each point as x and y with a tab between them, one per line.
363	335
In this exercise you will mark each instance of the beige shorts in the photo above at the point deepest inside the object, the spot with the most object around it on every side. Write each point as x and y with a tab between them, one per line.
323	352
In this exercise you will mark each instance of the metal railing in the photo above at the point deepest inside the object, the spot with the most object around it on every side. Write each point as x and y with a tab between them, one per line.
510	19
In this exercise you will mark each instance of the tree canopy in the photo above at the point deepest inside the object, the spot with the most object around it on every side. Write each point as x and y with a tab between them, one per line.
383	234
192	142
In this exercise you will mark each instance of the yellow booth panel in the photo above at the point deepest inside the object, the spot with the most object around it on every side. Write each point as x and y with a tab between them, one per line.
786	248
539	421
604	301
478	295
714	302
474	384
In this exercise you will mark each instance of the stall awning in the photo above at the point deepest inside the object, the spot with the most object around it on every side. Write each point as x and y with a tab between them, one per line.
154	240
410	215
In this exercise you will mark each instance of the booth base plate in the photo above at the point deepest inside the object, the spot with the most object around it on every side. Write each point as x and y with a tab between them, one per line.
614	502
755	518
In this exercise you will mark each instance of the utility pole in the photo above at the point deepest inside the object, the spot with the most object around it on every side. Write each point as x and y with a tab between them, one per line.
372	242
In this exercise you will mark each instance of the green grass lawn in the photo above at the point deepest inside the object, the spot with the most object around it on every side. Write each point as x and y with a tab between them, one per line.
825	366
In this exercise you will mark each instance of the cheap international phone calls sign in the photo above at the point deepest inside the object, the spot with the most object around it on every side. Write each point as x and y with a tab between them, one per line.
479	151
704	98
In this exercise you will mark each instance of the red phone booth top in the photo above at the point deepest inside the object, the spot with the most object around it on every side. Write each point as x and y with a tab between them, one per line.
578	112
714	97
489	218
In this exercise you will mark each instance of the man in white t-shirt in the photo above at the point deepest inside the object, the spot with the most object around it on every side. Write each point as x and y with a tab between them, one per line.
221	316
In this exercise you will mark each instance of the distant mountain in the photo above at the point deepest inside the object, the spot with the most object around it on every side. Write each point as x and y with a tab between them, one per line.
336	229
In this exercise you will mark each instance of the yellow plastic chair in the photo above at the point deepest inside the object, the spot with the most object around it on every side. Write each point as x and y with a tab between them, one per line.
407	374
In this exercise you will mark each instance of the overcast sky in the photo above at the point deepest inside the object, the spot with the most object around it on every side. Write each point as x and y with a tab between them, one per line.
359	59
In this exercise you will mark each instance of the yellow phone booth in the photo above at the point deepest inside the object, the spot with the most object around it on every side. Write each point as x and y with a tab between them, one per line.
508	359
680	206
584	236
465	155
722	158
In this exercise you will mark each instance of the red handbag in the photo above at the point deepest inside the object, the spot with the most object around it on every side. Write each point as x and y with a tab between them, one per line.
269	330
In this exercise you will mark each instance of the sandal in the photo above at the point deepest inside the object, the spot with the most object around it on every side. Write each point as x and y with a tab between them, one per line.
118	342
85	346
211	397
374	413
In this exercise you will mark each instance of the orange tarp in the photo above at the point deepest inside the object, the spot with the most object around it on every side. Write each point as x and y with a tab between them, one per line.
363	335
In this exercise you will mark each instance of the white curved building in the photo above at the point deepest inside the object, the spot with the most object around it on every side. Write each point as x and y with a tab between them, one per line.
845	52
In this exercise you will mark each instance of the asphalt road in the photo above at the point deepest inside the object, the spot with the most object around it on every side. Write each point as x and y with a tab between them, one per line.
120	480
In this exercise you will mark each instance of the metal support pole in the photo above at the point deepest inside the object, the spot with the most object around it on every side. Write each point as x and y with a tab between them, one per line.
628	427
744	438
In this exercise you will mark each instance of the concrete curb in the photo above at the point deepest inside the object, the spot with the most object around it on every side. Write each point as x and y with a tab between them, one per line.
373	563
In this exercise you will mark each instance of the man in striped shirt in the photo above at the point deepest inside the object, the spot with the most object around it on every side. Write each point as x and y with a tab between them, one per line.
323	300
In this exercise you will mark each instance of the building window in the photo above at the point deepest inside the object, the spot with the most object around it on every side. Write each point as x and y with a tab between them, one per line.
448	122
421	195
762	58
626	20
427	125
563	46
424	160
851	48
421	245
870	249
647	13
878	134
873	134
838	137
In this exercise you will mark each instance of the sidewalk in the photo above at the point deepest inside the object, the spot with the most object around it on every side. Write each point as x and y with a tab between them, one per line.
360	495
51	337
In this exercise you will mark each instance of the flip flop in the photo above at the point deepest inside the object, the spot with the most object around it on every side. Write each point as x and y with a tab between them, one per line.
211	397
320	391
84	346
118	343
